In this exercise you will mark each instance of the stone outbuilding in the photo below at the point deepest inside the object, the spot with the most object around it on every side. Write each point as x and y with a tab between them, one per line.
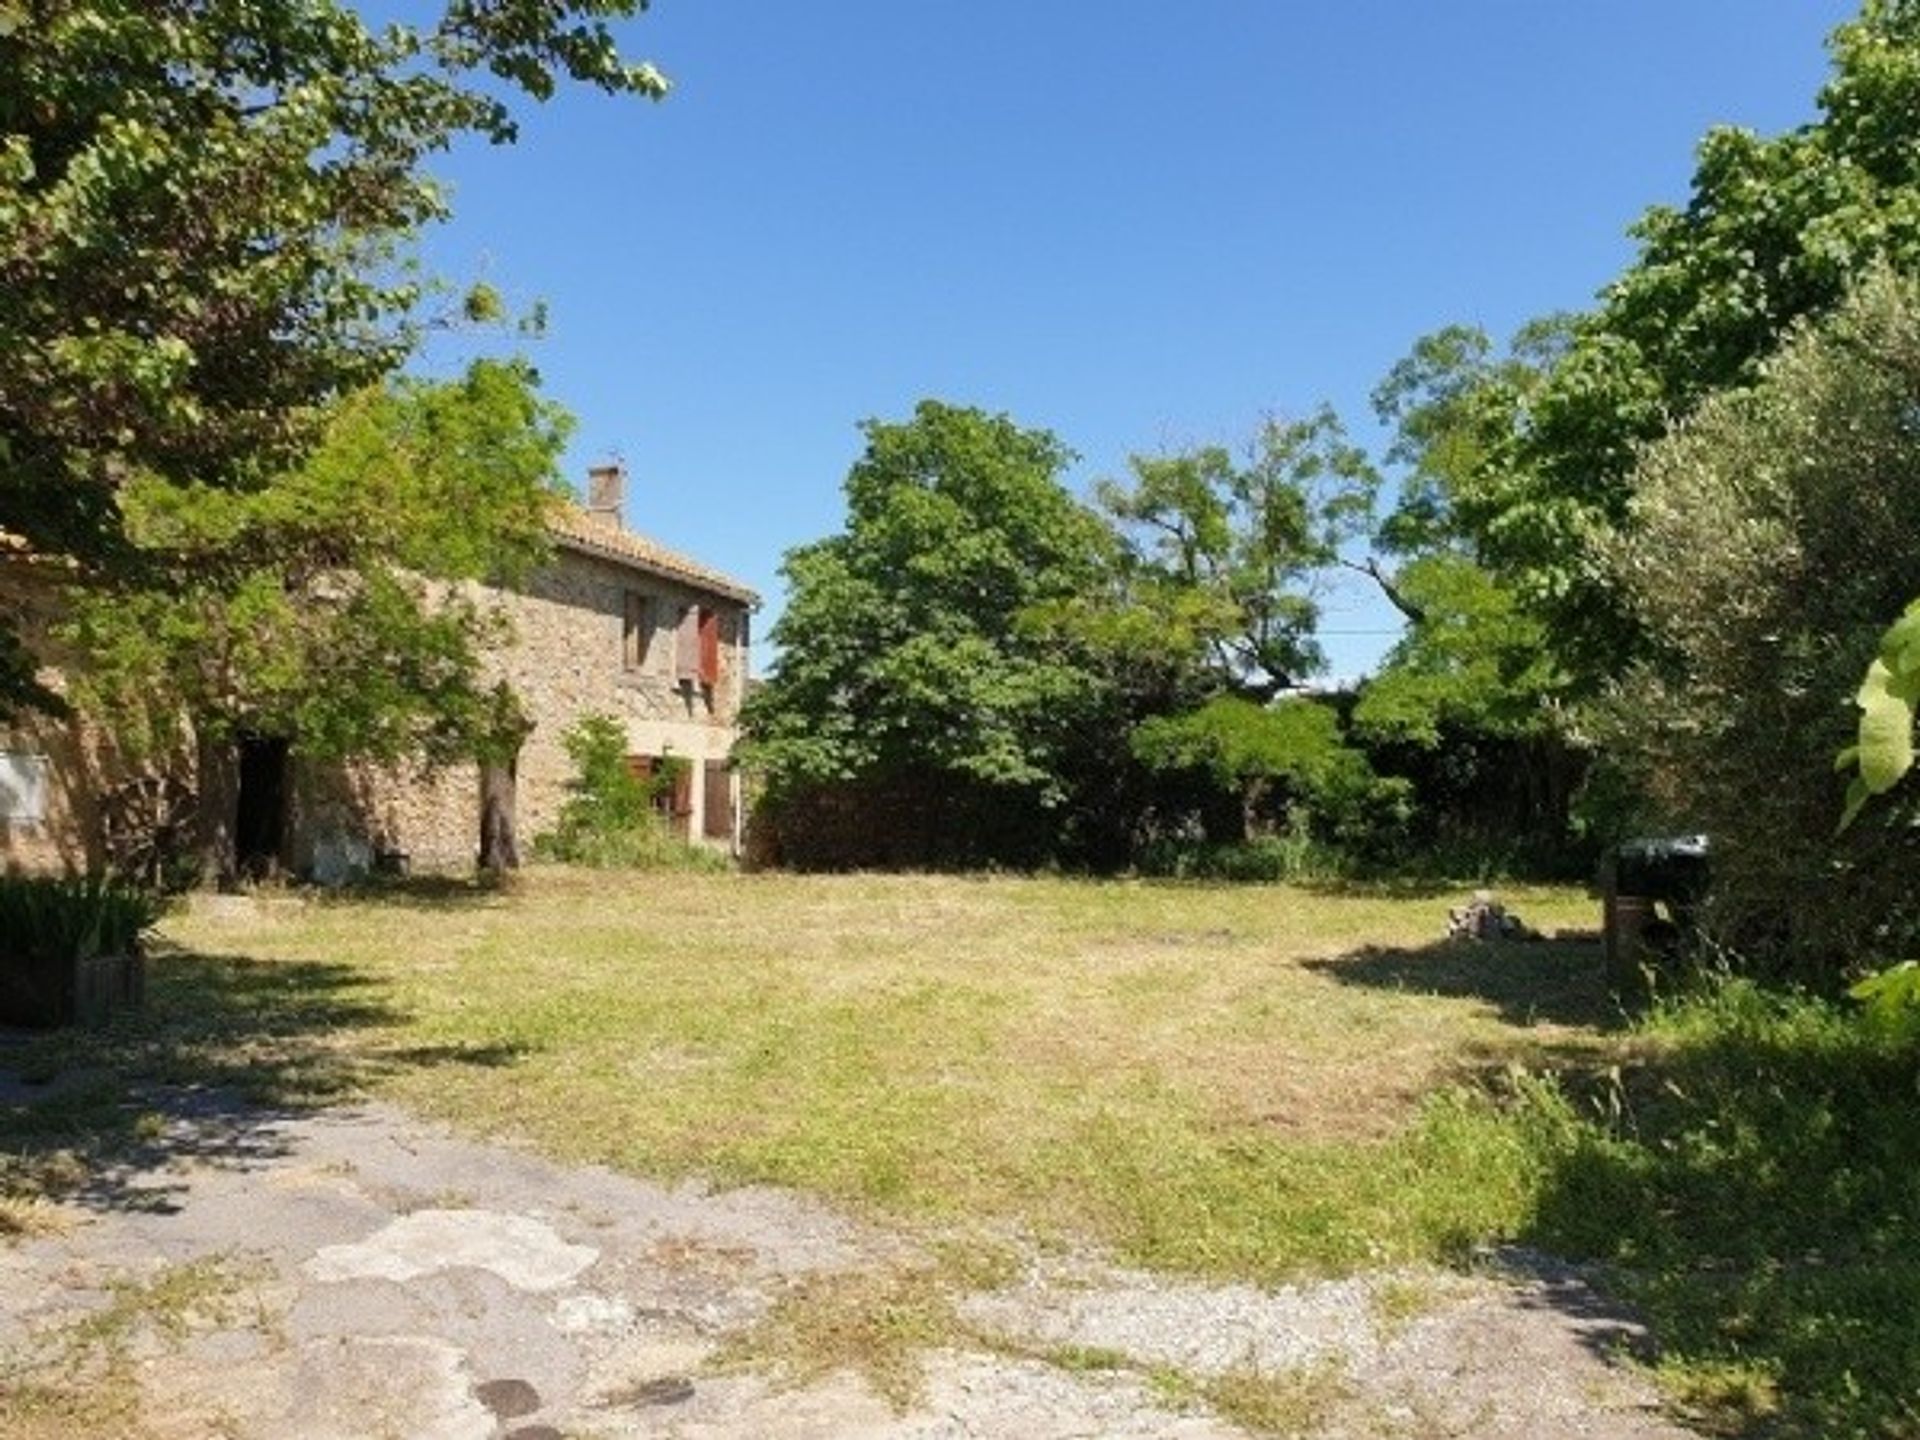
615	624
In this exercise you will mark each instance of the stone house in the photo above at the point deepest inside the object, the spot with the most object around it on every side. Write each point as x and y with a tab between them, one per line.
614	624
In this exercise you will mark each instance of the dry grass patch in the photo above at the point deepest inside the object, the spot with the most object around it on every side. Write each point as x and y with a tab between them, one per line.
878	1324
1192	1074
1288	1403
78	1378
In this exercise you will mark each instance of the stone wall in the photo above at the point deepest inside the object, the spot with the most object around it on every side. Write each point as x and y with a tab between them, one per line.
569	659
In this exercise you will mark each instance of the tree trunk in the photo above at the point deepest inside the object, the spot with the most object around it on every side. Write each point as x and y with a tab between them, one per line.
499	849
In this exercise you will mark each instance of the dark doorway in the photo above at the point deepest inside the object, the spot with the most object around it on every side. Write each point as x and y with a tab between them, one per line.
260	817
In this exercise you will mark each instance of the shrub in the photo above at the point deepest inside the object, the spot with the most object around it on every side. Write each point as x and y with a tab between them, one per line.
1772	537
609	819
73	917
49	926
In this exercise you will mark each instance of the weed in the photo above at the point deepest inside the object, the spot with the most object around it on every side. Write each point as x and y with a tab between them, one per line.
877	1324
1293	1402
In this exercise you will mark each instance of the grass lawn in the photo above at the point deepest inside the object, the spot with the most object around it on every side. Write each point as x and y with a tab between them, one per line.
1250	1082
1213	1079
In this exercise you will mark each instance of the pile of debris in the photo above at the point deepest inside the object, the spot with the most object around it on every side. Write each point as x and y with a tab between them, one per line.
1485	918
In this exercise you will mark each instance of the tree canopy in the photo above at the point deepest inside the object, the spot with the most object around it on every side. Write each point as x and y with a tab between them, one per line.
1774	229
205	217
1221	558
904	647
326	608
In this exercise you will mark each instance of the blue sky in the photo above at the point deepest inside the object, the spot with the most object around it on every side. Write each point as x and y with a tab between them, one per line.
1140	226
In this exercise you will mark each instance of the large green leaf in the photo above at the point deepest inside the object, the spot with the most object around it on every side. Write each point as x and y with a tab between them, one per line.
1886	728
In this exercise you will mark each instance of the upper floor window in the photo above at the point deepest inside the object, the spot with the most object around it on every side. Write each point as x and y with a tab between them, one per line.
636	630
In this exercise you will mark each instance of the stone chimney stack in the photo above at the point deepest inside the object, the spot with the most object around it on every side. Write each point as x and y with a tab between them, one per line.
607	491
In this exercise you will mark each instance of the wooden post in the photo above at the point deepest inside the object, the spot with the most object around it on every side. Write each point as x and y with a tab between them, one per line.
1627	917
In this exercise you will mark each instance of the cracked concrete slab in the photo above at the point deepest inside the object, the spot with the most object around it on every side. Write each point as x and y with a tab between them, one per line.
524	1252
395	1277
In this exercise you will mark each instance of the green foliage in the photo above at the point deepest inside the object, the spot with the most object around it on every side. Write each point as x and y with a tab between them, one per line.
609	819
1287	761
1292	856
604	793
1749	1182
904	647
1772	535
206	219
1775	230
326	605
1236	740
1472	660
71	918
1220	555
1883	751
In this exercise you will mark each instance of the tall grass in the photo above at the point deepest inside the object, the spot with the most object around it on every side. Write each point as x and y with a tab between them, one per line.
1752	1180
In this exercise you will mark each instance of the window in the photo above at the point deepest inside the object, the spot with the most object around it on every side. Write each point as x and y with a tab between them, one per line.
671	781
23	788
636	633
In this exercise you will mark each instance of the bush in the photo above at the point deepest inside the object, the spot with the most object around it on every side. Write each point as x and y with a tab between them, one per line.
609	819
1293	855
49	927
74	917
1772	537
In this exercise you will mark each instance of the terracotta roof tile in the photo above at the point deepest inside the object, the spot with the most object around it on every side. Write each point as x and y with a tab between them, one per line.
586	534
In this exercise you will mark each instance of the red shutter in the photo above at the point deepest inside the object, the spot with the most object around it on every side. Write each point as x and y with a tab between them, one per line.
709	646
718	821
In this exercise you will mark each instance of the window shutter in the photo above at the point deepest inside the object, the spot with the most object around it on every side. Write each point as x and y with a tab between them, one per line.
718	823
709	646
686	665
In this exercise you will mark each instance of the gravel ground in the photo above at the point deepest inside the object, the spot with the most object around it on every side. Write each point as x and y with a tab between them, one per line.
374	1276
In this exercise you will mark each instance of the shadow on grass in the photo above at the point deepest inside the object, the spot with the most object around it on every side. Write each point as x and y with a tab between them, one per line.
1560	981
1388	887
1753	1189
227	1053
416	892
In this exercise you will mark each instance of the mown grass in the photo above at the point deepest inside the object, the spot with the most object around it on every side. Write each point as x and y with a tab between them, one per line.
1183	1073
1250	1082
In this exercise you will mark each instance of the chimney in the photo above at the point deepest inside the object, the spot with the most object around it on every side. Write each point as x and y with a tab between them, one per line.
606	491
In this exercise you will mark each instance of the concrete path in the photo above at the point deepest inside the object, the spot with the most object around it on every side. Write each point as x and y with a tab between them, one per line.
355	1274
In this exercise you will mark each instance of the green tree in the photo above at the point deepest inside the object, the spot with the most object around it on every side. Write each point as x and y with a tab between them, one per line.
329	609
1775	229
1772	534
1285	761
907	660
206	211
1223	558
1469	703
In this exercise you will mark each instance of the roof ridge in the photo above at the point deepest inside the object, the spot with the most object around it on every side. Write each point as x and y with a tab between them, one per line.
607	538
